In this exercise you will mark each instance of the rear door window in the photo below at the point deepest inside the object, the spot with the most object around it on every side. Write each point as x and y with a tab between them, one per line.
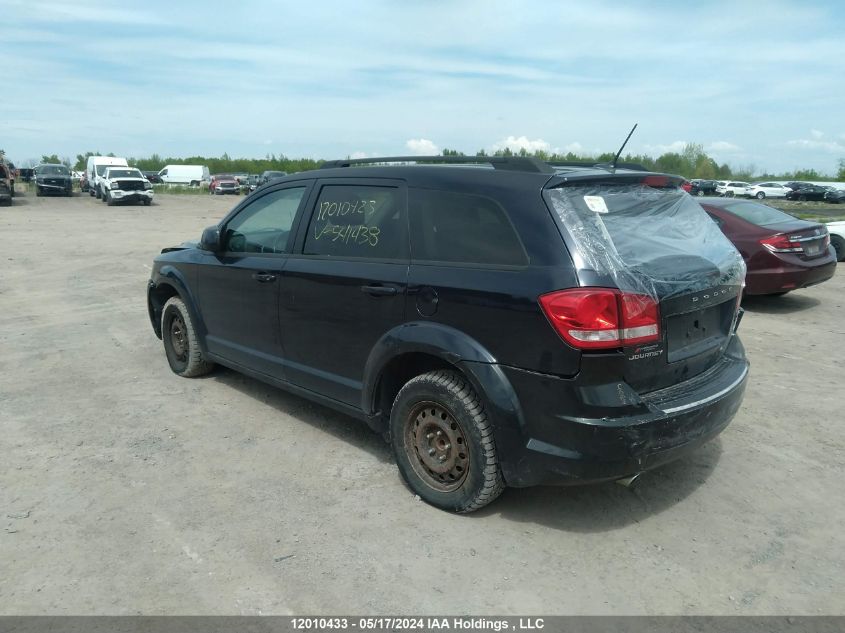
462	228
358	221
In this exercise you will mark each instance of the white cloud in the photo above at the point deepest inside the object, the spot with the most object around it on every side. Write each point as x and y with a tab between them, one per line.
575	147
356	155
677	147
827	146
722	146
816	134
516	144
422	147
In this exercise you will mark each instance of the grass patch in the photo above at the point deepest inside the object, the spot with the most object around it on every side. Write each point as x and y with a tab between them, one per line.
180	190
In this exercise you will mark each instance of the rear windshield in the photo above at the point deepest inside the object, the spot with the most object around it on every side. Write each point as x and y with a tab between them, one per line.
659	242
756	213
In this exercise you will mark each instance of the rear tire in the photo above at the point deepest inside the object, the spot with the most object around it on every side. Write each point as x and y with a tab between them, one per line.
443	442
181	344
839	246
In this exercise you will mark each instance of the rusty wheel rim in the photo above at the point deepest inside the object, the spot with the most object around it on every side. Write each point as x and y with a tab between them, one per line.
179	338
436	446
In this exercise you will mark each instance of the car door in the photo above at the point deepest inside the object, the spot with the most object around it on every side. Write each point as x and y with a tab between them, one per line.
345	286
239	286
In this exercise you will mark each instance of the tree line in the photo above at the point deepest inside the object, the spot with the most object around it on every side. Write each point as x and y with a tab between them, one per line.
691	162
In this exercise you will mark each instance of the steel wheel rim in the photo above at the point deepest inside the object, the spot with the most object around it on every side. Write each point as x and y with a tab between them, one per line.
179	338
436	446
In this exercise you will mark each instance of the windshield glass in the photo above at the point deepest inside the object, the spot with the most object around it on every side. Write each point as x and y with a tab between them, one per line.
658	242
124	173
53	170
755	213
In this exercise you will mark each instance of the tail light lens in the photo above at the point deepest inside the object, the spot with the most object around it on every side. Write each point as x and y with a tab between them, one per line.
602	318
781	244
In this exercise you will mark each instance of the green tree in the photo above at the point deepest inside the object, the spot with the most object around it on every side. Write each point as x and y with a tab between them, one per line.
53	159
841	173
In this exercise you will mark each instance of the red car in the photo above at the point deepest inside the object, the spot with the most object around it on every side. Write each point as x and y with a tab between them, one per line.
224	183
782	253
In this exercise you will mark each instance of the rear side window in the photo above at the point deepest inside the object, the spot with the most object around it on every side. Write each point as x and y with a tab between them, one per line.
462	228
358	221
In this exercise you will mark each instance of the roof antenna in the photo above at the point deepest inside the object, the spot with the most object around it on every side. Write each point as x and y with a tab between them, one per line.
619	153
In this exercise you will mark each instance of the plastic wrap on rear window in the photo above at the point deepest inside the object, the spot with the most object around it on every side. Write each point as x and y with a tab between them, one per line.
658	242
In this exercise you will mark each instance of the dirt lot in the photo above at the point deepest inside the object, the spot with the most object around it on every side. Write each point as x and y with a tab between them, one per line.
124	489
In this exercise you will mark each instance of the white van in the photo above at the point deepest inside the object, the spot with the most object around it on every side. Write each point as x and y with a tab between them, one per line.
191	175
95	168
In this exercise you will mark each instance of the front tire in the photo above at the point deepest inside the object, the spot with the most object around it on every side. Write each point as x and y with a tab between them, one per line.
38	192
443	442
181	344
760	195
108	199
839	246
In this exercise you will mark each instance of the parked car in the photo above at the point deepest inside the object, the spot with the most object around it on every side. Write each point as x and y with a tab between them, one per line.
835	196
703	188
686	186
5	186
268	176
762	190
153	177
781	252
94	170
496	336
26	174
794	184
807	192
837	238
191	175
224	183
52	178
731	188
126	184
252	183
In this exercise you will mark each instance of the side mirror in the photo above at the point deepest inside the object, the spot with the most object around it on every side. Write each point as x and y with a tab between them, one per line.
210	240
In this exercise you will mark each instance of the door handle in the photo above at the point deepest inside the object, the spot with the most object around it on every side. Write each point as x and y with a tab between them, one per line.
264	277
379	291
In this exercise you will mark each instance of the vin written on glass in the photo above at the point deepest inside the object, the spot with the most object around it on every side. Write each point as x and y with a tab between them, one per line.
340	209
359	234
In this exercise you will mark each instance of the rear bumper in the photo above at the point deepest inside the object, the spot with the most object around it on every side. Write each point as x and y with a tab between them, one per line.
570	438
784	276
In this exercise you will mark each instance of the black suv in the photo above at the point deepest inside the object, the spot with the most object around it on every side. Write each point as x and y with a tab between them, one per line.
53	178
514	325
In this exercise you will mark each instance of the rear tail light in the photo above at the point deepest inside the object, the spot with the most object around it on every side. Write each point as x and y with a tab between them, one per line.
781	244
602	318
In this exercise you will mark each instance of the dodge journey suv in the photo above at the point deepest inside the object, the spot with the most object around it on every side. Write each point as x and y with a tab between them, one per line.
502	321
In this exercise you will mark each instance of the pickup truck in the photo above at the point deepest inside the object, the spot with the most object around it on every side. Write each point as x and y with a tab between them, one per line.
122	184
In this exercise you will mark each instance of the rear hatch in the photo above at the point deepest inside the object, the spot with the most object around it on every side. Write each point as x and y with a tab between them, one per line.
641	235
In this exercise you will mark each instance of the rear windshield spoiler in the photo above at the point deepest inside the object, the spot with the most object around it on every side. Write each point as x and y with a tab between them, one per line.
620	177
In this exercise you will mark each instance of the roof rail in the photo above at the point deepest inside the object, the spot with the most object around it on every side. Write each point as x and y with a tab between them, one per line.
575	163
505	163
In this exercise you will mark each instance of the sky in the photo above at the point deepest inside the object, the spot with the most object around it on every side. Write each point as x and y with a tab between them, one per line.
756	83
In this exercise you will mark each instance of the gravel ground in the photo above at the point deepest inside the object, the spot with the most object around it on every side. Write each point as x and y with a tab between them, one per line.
125	489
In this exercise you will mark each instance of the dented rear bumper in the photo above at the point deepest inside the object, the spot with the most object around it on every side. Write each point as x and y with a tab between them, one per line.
577	434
